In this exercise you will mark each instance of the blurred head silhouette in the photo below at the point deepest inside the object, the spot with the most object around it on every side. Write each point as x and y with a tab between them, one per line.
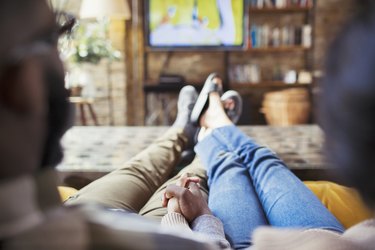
33	100
347	104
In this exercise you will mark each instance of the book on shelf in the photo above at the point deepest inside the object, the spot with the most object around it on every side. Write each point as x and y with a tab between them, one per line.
252	73
245	73
279	4
266	36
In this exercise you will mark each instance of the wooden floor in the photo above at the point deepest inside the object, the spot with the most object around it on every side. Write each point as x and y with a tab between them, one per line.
91	152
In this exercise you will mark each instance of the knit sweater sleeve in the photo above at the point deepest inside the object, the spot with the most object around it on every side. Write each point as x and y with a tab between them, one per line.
175	220
212	227
207	226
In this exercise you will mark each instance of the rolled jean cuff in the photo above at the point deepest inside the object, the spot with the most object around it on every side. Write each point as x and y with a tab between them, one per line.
222	140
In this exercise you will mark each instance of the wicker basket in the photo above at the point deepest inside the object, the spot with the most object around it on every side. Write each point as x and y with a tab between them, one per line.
287	107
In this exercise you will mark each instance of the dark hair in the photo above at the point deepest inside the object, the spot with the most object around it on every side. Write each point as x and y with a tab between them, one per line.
347	103
14	16
365	4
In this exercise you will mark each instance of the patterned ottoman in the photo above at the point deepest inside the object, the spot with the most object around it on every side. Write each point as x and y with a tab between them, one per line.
91	152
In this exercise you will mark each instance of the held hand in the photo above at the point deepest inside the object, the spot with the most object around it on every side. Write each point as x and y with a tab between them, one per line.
189	201
172	203
173	206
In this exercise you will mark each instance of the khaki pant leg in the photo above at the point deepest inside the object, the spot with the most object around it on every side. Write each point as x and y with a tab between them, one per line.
131	186
153	208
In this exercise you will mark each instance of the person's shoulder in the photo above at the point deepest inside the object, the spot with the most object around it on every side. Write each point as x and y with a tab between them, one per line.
276	238
54	228
362	233
368	224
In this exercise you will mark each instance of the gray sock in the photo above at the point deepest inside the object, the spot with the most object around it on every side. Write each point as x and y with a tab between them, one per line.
186	100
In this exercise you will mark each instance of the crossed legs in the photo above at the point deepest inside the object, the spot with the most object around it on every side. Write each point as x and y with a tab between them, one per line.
250	186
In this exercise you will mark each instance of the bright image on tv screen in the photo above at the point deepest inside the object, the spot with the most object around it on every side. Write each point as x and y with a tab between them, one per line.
183	23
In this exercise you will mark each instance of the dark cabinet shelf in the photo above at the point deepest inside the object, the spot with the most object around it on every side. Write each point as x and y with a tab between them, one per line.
265	84
280	49
279	10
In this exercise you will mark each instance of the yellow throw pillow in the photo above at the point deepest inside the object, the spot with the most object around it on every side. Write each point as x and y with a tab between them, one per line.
343	202
66	192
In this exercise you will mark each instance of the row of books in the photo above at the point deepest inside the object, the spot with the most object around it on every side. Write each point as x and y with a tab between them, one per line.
264	36
251	73
245	73
280	3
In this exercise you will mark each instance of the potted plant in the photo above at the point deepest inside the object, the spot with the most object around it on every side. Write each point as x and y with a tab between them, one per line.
91	43
88	45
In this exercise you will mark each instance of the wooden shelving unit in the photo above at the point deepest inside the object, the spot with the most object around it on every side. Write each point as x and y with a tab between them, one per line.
253	93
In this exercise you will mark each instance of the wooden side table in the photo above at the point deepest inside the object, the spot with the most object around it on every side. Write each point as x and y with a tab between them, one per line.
80	103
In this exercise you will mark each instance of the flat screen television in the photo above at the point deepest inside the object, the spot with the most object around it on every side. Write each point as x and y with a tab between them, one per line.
195	24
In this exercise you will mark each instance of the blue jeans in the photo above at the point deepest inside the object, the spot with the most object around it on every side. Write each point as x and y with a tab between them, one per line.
251	187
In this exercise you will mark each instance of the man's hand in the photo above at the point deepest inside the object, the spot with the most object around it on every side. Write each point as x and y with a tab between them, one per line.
186	198
172	203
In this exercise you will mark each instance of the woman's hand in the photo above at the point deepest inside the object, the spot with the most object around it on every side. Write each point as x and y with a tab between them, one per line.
185	197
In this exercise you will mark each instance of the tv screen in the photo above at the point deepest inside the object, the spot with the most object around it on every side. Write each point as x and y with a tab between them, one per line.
195	23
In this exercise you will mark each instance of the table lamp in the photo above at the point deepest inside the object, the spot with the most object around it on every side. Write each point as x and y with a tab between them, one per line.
114	9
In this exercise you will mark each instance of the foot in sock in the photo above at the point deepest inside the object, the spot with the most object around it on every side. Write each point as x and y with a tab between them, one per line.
232	102
186	100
